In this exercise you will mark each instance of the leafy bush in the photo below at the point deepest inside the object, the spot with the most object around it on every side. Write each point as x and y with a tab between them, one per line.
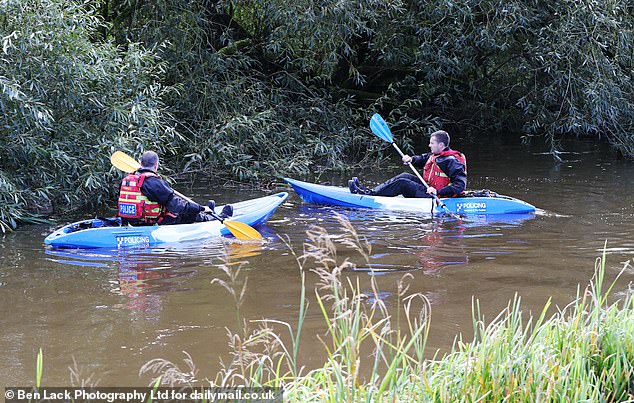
544	69
67	103
245	116
253	89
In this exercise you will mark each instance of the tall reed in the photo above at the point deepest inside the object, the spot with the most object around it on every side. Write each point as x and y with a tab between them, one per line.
582	352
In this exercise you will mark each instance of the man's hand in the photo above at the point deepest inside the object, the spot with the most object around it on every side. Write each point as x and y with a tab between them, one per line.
407	159
431	190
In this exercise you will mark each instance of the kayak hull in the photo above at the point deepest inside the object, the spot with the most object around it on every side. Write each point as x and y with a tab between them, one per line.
340	196
106	233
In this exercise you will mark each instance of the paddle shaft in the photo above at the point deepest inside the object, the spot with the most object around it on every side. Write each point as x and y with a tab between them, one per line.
238	229
381	129
419	176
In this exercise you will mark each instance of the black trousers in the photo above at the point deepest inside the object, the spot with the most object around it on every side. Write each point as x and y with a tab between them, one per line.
404	184
169	220
187	219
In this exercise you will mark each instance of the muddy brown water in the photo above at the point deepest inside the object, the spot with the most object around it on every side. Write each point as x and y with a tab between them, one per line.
106	313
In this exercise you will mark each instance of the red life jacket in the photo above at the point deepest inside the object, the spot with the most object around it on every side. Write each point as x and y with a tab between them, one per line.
133	204
432	173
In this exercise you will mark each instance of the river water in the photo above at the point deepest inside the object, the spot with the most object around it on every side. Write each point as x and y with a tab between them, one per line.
100	316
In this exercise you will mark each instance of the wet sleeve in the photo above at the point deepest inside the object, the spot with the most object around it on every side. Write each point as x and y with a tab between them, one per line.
457	176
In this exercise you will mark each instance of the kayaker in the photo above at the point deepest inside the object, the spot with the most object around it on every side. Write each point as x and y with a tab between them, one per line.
146	199
444	170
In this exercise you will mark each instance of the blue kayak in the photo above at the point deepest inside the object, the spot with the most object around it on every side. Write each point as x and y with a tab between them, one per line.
484	204
108	232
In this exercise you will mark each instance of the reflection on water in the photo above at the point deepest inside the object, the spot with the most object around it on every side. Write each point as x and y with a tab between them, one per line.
144	275
405	241
114	311
442	246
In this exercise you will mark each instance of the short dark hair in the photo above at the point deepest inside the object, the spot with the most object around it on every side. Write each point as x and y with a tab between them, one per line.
442	137
149	159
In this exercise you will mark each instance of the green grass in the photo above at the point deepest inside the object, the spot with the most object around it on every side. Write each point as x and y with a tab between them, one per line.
583	352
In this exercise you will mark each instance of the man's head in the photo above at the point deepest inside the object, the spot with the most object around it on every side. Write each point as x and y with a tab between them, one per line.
438	141
150	160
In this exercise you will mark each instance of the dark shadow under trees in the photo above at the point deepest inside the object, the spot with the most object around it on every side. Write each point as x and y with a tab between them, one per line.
255	89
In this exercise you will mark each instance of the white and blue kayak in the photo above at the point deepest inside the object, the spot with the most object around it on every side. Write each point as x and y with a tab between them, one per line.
108	232
484	204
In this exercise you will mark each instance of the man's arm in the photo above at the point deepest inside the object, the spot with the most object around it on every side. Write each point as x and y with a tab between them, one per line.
160	191
157	190
420	160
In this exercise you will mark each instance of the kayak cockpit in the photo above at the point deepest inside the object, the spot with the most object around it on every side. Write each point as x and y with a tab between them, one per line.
97	222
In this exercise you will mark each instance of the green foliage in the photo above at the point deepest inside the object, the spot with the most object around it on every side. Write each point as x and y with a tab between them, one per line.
245	118
66	104
276	128
547	69
252	89
39	369
583	62
316	40
581	353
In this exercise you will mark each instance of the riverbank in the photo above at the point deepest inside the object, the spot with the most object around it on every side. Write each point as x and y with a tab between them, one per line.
581	352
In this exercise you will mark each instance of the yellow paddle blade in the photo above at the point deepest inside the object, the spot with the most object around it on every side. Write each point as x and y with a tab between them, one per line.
242	231
238	229
124	162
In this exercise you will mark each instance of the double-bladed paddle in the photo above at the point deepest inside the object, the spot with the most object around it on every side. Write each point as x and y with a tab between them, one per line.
238	229
381	129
